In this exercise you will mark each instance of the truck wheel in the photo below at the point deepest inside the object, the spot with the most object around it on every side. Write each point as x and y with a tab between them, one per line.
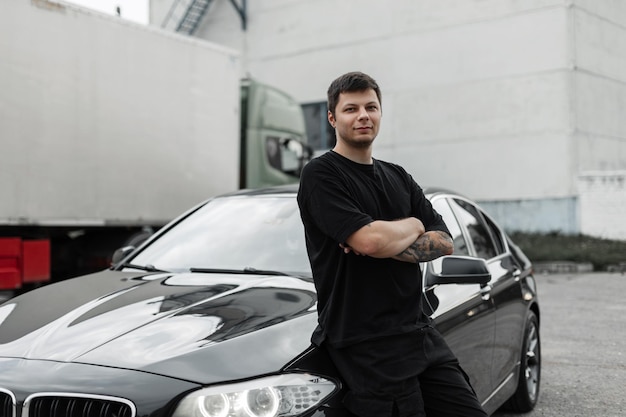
6	295
525	397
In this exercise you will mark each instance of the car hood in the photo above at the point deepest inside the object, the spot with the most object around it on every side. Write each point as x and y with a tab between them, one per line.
199	327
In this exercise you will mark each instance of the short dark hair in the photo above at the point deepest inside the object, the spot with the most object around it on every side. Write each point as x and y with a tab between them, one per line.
350	82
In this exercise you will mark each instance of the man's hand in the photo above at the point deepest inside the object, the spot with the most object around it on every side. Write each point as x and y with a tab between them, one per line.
347	249
429	246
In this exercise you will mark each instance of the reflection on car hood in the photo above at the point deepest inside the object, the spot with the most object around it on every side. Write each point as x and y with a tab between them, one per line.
189	326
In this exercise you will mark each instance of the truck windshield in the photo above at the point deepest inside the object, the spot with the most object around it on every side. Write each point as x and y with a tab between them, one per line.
234	233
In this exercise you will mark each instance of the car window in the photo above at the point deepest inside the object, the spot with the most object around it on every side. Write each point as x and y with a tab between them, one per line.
261	232
442	207
470	217
442	298
496	234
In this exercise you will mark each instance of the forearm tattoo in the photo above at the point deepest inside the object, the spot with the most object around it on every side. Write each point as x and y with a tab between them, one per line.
429	246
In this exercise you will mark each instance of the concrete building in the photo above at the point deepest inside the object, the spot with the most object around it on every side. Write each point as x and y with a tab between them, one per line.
509	102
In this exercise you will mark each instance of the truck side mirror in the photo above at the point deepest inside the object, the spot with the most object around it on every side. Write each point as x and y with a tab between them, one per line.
288	155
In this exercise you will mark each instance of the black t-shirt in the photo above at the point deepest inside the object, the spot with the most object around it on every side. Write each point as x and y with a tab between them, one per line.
361	297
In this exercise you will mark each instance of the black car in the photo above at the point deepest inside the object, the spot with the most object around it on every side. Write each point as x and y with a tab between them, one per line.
212	317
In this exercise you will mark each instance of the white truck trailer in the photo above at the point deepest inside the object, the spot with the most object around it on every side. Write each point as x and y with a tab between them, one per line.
109	128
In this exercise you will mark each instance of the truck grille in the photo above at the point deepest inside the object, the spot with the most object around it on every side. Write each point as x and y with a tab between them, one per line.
66	405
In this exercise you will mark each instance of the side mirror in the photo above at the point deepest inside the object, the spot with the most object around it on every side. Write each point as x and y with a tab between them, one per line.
288	155
459	270
121	253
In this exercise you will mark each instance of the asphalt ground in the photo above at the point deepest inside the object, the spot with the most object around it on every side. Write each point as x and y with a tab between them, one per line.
583	335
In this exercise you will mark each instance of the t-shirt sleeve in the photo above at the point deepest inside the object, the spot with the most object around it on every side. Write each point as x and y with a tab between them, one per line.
330	207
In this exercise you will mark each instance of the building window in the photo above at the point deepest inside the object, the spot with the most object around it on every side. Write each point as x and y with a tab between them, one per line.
320	134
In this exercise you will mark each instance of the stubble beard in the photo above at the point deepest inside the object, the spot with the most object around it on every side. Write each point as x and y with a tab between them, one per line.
359	143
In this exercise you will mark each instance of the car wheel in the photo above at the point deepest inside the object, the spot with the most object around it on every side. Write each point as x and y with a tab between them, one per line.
527	392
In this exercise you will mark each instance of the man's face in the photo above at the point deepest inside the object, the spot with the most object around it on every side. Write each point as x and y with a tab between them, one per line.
357	118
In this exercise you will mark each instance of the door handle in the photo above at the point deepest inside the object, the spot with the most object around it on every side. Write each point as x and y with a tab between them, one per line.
485	292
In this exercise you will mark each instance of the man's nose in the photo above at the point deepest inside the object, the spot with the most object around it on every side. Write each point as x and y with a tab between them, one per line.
363	114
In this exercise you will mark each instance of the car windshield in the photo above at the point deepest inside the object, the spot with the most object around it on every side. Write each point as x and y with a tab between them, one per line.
260	234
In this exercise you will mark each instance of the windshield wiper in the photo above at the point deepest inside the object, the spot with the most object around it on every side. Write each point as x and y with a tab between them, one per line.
247	270
147	268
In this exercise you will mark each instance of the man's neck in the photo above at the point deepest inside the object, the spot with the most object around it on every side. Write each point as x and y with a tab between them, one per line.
358	155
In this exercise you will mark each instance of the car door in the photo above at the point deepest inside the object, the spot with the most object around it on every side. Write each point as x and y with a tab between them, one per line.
506	292
464	313
503	289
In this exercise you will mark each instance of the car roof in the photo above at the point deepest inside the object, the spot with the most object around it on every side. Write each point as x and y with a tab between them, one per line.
277	189
293	189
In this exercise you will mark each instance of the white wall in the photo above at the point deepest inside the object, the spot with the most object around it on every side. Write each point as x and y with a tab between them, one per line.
506	101
490	79
600	85
103	120
602	203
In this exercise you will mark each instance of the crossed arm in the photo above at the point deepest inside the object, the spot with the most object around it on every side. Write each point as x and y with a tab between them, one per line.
404	240
429	246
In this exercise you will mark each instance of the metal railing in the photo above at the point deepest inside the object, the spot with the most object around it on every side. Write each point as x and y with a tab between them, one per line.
185	15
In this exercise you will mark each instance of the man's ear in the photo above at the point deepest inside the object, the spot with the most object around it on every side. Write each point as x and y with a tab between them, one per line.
331	119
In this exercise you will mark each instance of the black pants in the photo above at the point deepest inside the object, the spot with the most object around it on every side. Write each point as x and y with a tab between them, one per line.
408	375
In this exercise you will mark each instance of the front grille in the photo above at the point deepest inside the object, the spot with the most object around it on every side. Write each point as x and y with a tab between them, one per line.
56	405
6	404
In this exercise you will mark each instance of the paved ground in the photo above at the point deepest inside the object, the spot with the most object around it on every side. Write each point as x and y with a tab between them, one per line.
583	332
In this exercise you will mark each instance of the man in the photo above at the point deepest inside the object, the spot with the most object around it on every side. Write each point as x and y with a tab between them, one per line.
368	225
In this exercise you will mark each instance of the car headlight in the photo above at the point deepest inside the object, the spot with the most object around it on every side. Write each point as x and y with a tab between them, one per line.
276	396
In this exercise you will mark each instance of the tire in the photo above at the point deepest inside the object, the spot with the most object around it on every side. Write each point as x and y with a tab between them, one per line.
525	397
6	295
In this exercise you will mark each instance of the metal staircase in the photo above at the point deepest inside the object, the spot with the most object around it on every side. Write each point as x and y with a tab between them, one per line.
184	15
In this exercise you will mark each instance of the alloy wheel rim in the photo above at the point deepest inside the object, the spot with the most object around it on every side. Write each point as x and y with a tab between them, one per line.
532	362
